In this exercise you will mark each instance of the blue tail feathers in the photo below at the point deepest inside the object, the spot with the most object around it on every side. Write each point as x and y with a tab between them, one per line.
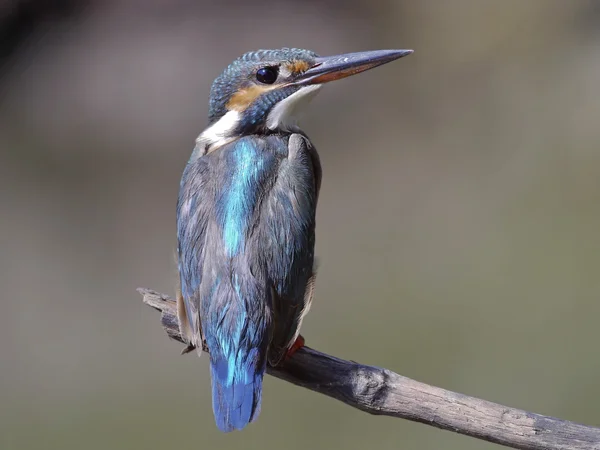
236	389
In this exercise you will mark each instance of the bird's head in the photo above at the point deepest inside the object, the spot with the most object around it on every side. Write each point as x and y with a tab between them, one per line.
261	91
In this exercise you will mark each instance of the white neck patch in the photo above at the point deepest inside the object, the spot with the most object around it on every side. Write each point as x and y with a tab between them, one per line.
283	113
220	132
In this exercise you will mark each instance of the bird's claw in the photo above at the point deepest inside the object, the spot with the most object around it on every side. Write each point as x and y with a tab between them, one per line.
297	345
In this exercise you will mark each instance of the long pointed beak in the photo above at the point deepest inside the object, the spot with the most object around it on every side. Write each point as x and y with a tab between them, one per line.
330	68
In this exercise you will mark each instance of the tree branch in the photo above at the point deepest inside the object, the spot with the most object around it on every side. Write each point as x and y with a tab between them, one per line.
382	392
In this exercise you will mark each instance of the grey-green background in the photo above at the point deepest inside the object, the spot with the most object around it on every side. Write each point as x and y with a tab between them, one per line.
458	229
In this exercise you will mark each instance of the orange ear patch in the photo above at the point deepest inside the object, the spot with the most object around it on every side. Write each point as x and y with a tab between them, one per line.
245	97
298	66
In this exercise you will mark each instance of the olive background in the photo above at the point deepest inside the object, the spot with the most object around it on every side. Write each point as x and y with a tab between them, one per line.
458	225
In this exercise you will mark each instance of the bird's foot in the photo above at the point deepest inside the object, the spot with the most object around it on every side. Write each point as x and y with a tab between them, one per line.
297	345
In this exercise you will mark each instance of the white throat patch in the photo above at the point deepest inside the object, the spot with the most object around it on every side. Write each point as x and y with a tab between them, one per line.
283	113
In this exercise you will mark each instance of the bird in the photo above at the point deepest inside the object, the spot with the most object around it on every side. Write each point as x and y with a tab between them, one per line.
246	220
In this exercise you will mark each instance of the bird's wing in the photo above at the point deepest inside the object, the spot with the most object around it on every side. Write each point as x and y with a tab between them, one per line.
291	208
193	215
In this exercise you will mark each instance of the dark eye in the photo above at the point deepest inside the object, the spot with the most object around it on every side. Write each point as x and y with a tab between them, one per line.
267	75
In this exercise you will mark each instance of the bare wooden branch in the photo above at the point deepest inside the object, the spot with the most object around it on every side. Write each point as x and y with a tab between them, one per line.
382	392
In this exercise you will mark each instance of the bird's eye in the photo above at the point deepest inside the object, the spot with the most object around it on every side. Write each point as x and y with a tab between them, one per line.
267	75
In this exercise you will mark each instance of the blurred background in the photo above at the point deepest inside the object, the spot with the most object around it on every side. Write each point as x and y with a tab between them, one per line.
457	228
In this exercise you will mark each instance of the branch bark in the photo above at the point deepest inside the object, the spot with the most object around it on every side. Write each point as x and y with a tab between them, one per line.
383	392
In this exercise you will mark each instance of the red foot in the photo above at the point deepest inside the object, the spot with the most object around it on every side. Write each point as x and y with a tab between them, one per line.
297	345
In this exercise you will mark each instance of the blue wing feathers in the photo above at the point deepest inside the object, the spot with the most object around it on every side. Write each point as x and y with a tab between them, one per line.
245	222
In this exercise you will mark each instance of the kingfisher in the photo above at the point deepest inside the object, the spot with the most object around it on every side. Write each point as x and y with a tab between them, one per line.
246	220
